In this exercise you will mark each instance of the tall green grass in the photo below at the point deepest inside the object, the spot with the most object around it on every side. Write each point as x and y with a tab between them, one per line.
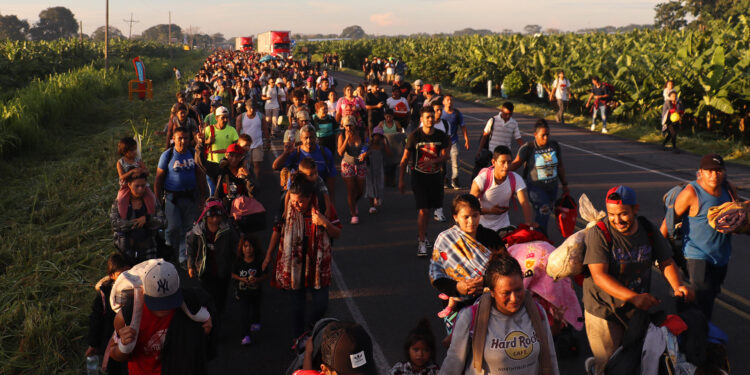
54	228
60	101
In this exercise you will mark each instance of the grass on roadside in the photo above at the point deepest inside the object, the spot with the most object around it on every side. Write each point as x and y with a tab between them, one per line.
55	233
698	143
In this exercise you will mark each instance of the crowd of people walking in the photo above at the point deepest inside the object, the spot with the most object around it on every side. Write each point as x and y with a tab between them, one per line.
203	220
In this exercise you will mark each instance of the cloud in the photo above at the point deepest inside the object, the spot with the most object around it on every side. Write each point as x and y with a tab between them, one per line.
382	19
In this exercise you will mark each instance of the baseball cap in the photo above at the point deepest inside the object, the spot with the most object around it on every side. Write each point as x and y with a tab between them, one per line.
621	194
161	286
427	88
205	93
235	149
347	349
712	162
222	111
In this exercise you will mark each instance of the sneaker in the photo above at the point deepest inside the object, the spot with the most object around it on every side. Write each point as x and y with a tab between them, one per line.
427	243
589	365
373	210
447	184
455	185
355	220
438	216
255	327
604	131
593	127
422	249
245	341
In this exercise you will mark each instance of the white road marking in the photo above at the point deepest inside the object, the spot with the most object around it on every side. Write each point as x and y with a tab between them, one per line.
380	361
680	179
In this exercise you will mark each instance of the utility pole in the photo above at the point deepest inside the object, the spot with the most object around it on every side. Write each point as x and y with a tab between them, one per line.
131	22
80	30
169	42
106	40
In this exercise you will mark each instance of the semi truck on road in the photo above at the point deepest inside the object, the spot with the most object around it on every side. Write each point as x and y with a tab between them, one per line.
274	43
243	43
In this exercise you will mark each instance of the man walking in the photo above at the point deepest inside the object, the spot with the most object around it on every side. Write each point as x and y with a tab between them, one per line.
500	130
600	94
560	92
706	250
252	124
620	253
427	148
183	186
455	121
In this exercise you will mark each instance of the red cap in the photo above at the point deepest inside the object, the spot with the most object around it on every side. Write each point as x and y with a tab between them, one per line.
235	149
427	88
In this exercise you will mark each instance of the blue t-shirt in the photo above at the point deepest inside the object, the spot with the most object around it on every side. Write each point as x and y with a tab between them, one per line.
455	120
326	168
180	168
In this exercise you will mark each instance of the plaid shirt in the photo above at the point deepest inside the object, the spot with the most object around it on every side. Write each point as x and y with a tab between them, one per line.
405	369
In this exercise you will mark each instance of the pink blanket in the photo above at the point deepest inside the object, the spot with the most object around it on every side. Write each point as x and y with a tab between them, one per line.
533	259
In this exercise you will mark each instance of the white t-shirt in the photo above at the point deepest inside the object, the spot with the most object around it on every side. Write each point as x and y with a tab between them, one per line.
563	89
400	107
254	128
272	93
496	195
503	132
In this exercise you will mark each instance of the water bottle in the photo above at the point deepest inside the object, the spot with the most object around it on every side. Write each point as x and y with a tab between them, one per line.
92	365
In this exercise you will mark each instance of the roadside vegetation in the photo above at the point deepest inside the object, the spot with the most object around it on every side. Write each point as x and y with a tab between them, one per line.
710	67
58	185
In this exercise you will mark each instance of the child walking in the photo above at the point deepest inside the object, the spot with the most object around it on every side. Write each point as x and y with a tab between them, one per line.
419	350
248	272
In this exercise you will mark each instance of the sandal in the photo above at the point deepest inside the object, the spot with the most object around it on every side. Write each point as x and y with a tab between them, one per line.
355	220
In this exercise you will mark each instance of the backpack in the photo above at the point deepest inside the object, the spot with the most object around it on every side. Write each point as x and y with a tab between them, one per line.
611	102
489	177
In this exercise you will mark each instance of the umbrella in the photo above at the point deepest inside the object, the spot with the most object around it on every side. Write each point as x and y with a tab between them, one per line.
266	58
532	256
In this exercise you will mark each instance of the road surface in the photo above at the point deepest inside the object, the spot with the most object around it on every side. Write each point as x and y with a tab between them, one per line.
380	283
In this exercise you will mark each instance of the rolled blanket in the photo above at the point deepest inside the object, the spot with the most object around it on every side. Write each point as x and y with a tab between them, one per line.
730	217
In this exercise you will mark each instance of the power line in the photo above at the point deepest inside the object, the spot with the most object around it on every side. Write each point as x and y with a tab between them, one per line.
131	22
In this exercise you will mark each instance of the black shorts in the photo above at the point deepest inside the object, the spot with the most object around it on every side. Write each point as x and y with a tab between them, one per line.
428	189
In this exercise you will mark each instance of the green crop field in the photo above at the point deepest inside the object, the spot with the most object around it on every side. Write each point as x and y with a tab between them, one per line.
711	68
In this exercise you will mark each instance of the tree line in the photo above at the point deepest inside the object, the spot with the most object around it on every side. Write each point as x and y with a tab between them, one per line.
60	22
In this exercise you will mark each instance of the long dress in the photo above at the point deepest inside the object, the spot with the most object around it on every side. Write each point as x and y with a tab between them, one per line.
374	182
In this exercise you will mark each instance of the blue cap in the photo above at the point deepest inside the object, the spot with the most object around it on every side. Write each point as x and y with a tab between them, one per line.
621	194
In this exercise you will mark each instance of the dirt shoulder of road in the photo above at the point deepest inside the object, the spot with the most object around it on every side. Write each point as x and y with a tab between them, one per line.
700	143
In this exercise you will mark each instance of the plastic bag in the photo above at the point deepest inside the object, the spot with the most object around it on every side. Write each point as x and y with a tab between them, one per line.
567	259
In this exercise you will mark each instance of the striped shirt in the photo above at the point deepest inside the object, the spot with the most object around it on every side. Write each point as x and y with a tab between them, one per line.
503	133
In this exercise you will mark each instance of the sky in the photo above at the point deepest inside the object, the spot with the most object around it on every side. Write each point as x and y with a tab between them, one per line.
384	17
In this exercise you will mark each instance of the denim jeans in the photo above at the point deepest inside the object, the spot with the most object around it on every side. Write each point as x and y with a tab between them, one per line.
603	110
299	304
454	161
180	212
706	280
542	199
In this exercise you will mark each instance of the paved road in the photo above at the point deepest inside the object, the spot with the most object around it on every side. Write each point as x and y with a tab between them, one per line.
379	281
